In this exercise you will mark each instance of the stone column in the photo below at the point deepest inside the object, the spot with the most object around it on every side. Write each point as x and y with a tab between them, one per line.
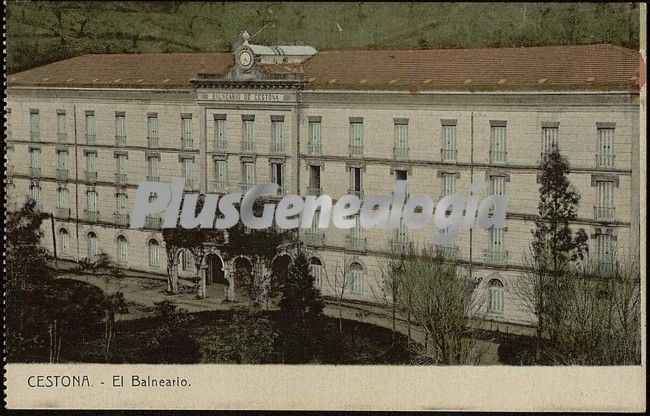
201	276
231	280
172	278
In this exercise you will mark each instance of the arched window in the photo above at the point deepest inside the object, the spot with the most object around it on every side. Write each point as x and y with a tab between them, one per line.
92	245
64	240
187	260
316	270
122	249
154	253
356	278
495	288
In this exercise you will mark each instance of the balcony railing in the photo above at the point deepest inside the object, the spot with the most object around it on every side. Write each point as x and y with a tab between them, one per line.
603	213
498	156
247	146
449	155
401	245
91	176
120	140
92	216
152	142
220	187
492	256
187	143
605	267
34	135
62	137
605	161
447	252
314	149
152	222
220	145
34	171
400	152
313	190
190	184
245	186
355	243
62	213
152	178
120	178
276	148
90	139
356	151
314	238
62	174
121	219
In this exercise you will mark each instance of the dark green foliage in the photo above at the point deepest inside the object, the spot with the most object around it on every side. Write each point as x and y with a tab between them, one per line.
172	342
518	350
44	32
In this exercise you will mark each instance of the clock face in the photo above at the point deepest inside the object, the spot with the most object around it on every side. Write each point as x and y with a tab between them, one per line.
245	59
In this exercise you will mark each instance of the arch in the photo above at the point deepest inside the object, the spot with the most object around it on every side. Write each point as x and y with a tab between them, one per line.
215	269
355	271
242	271
495	295
316	269
153	249
185	258
281	264
64	239
122	246
91	245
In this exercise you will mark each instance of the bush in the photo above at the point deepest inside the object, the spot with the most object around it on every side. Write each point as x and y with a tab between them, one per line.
517	350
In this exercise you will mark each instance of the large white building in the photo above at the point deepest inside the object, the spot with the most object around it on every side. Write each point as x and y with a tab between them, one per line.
81	134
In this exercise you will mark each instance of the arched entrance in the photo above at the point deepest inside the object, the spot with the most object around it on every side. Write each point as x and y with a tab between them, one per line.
216	282
242	275
280	265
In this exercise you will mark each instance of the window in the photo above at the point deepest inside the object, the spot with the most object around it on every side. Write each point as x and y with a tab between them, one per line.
122	249
356	241
62	158
605	251
91	200
495	288
34	124
91	165
498	142
186	131
449	151
121	199
221	176
120	174
314	143
277	175
248	175
449	181
498	185
154	253
277	125
356	278
314	180
90	127
187	260
605	200
496	252
549	141
152	168
63	197
152	130
356	138
606	147
402	175
35	191
401	139
220	137
120	128
355	181
248	133
187	170
316	269
61	125
35	162
91	245
64	240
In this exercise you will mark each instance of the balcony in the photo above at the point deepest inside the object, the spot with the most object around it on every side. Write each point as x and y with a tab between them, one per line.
91	176
220	187
604	213
245	187
191	184
314	190
498	156
34	172
62	137
90	139
401	245
62	213
315	238
152	178
605	161
121	219
447	252
120	178
34	135
91	216
276	148
247	146
497	257
152	142
152	222
187	143
220	146
62	174
449	155
355	151
605	267
120	140
355	243
401	152
314	149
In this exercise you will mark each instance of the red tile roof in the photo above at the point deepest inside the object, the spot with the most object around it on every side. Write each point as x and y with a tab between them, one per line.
583	67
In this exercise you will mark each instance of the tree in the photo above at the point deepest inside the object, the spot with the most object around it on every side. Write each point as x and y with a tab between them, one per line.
339	284
442	302
555	247
114	304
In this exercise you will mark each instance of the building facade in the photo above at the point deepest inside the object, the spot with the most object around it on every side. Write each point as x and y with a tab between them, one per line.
82	133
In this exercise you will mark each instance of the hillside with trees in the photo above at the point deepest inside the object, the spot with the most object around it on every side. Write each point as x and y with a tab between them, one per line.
44	32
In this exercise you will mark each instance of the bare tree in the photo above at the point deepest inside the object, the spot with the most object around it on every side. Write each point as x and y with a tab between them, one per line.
339	284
